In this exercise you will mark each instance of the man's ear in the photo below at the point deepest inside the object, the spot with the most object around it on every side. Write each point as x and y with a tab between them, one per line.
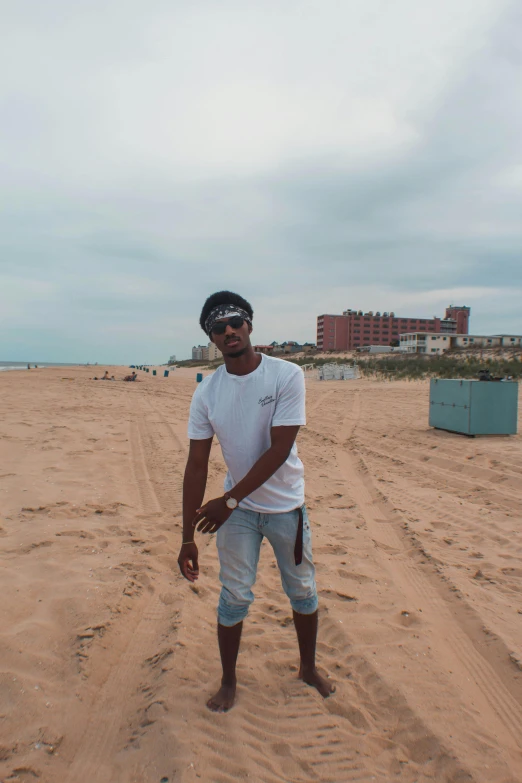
249	328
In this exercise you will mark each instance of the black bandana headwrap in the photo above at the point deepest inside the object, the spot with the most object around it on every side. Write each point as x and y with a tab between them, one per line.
225	311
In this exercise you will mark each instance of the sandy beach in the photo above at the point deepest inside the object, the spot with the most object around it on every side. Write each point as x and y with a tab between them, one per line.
107	655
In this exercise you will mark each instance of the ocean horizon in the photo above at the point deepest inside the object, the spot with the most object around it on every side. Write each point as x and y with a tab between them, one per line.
23	365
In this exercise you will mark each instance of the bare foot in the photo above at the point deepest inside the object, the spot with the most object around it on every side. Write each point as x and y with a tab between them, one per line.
314	679
223	700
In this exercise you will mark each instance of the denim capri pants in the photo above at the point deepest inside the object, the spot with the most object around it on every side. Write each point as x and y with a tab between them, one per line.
239	543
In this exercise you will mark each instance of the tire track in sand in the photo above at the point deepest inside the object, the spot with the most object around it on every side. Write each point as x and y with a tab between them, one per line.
484	686
92	762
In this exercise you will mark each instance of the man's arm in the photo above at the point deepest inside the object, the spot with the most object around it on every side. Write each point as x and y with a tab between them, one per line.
194	484
215	512
281	442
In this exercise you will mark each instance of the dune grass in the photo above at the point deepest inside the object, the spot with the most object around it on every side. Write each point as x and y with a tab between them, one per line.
418	367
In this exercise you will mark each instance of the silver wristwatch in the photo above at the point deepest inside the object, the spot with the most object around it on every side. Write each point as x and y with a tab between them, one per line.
231	502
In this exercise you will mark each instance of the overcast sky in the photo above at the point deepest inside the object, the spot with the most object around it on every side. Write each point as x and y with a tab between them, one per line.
312	156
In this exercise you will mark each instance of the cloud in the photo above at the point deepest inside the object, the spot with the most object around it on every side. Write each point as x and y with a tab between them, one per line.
311	156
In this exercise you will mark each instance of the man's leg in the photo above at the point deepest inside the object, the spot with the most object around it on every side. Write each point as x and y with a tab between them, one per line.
299	585
229	639
238	542
306	628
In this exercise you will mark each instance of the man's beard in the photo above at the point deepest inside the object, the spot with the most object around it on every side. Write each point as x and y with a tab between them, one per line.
236	354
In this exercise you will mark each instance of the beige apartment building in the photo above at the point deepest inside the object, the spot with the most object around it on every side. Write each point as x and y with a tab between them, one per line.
198	353
205	353
213	352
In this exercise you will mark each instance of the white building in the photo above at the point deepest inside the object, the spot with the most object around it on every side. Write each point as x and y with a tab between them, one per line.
475	341
438	343
510	340
486	341
425	342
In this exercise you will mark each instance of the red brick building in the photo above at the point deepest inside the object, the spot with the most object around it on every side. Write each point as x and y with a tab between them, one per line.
354	328
461	316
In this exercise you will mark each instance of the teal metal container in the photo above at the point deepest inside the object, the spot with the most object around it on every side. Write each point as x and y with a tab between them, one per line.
474	407
165	373
199	377
154	372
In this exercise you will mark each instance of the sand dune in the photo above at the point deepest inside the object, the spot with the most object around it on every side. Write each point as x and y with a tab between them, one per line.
107	655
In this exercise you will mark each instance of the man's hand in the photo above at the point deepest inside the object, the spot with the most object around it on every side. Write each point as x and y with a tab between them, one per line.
212	515
188	561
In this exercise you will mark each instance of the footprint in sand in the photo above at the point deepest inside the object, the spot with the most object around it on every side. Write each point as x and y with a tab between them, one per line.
158	659
349	712
201	592
75	534
332	549
353	576
31	547
512	572
407	618
337	594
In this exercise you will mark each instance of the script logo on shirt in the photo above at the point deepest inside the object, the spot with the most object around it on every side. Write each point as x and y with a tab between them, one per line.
266	400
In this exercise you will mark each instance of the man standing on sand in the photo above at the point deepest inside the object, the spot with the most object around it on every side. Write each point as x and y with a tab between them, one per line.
255	405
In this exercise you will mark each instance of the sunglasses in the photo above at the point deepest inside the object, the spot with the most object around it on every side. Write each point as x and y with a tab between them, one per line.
236	322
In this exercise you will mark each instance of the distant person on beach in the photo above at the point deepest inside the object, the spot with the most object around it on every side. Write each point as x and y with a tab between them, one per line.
105	377
131	377
255	405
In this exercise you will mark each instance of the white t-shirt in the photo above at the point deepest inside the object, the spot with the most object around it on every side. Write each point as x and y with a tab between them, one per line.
240	410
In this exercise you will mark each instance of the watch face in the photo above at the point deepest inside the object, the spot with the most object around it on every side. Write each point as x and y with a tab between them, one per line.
231	502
